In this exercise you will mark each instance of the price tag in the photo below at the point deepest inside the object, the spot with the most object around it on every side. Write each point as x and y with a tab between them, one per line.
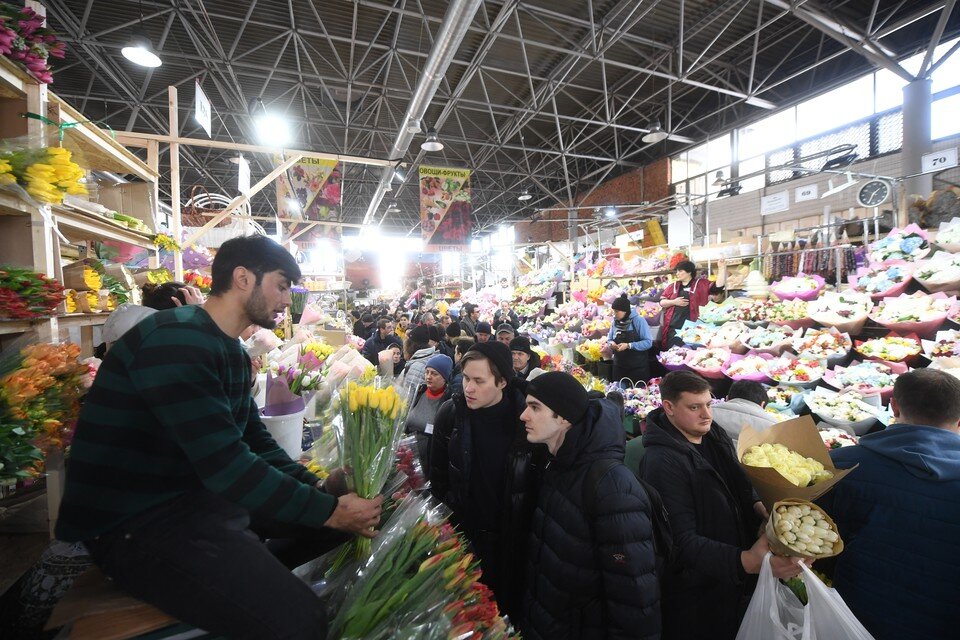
938	160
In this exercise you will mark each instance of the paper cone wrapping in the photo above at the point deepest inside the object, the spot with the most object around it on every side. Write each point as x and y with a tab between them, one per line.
781	549
799	435
760	376
712	374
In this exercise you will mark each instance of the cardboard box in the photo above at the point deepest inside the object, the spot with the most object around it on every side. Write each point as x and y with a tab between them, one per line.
799	435
333	337
133	199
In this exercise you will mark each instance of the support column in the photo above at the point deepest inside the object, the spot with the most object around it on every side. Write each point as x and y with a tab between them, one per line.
916	142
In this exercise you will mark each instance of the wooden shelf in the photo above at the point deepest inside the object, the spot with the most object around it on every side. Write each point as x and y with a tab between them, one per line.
95	148
14	80
8	327
78	226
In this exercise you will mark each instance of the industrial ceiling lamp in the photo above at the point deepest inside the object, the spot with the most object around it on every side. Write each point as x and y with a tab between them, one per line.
655	133
719	181
392	208
139	49
524	195
610	212
432	143
272	130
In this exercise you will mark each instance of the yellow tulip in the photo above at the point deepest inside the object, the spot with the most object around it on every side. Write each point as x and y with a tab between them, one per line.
352	399
375	396
386	404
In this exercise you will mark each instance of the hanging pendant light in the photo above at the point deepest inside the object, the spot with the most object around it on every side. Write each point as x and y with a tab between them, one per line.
139	49
432	143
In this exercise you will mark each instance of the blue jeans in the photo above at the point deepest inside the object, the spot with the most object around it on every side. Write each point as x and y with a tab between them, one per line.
197	559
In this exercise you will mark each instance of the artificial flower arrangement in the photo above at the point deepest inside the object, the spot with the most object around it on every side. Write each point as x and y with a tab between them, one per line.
772	339
909	244
918	313
940	272
835	438
47	174
842	410
749	367
714	313
881	281
791	369
819	344
791	313
869	378
753	311
40	387
891	348
708	363
847	311
674	358
592	350
26	294
799	287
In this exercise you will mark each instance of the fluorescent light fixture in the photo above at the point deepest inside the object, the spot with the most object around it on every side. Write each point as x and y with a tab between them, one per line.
843	186
432	143
140	51
272	130
655	134
524	195
760	102
719	181
610	212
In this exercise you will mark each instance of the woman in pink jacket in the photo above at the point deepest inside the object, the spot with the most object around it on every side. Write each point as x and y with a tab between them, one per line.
682	299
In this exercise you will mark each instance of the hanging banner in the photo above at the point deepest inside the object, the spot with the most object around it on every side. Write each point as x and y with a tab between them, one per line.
446	213
310	190
202	110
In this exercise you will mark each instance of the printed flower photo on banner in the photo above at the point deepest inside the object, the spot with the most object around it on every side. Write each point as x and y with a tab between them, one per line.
310	190
446	212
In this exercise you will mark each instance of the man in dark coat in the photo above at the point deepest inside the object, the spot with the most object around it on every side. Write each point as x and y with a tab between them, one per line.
591	566
715	515
382	339
484	469
899	515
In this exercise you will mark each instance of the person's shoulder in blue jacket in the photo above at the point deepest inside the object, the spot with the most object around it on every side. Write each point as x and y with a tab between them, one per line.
898	513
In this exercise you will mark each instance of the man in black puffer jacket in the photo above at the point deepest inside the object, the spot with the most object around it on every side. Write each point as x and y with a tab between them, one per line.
483	468
592	567
714	513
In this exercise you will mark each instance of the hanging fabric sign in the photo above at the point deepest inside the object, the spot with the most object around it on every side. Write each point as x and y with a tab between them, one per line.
310	190
445	208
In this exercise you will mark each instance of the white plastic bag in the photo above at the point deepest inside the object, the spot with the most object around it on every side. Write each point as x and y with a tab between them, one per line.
774	612
826	615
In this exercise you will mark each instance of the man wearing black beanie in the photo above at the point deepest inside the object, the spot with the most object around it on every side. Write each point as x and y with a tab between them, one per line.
591	568
485	470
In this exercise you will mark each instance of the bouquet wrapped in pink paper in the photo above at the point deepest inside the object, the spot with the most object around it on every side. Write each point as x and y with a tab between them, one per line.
773	339
674	358
883	280
789	369
790	313
869	378
946	344
918	313
823	344
948	235
799	287
751	367
708	363
910	243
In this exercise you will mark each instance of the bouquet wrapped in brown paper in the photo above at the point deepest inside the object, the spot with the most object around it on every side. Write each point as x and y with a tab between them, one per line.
795	528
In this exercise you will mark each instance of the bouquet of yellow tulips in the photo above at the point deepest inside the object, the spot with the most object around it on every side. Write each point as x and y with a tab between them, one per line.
47	174
368	433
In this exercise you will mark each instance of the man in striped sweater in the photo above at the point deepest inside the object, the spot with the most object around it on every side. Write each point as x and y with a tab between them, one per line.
171	463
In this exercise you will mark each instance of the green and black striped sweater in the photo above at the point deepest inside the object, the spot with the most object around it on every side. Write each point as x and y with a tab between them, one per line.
170	411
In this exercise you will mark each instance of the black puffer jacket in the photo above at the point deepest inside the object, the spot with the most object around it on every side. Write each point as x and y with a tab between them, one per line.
712	520
591	570
451	466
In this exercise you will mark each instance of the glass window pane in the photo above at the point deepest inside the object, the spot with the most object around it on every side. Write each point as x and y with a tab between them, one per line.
944	121
779	159
680	188
718	152
698	186
678	168
697	160
710	178
947	75
835	108
857	135
768	134
889	89
753	165
890	132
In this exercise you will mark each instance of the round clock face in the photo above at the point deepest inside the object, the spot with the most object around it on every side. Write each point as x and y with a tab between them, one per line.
874	193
